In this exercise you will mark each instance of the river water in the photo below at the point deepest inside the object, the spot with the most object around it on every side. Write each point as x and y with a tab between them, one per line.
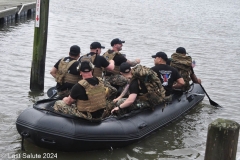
209	30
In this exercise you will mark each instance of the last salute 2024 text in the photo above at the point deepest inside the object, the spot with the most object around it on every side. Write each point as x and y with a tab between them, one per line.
31	155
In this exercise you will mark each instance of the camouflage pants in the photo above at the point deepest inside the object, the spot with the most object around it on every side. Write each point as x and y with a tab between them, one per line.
61	107
112	91
137	104
109	106
116	79
186	77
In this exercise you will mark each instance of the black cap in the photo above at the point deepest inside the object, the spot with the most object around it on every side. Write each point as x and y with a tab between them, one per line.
161	55
125	67
181	50
75	50
96	45
116	41
85	66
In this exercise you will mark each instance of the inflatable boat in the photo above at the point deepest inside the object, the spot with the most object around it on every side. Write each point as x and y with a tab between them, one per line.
45	128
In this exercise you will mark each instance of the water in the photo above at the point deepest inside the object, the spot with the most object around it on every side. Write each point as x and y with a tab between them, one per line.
208	30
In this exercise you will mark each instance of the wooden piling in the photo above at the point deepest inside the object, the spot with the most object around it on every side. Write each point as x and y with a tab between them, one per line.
222	140
39	46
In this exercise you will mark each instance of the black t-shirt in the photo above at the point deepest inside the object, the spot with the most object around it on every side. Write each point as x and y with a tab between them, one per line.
168	75
79	92
72	70
137	88
119	59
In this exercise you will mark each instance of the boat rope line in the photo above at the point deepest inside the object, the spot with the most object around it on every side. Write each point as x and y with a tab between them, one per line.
64	115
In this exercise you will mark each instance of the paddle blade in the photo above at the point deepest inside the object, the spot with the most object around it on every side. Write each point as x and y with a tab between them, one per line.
214	103
51	91
211	101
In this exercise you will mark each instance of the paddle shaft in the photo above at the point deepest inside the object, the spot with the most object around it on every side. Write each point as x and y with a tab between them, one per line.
211	101
205	91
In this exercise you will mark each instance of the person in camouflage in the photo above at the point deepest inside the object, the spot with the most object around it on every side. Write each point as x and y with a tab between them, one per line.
88	98
138	93
183	64
65	72
99	62
114	77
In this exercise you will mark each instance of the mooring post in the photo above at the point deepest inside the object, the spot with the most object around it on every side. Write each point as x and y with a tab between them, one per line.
39	46
222	140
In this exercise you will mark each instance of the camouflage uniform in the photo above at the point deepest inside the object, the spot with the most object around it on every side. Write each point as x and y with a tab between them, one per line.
62	76
96	102
111	91
156	92
137	104
116	79
61	107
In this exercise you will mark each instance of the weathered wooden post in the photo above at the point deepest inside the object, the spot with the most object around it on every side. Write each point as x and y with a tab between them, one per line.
222	140
39	46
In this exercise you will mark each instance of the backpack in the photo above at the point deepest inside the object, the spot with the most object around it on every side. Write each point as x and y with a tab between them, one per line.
184	66
156	92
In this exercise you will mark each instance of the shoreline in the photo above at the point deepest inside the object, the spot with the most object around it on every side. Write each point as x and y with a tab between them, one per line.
11	12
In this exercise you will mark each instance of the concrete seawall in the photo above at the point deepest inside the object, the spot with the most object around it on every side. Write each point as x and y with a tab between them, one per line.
11	11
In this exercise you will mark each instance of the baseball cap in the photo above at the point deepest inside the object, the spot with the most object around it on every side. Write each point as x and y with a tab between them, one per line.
85	66
75	50
181	50
125	67
161	55
116	41
96	45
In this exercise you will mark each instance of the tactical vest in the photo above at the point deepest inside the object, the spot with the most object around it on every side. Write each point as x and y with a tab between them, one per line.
62	75
97	72
156	92
96	97
183	64
109	55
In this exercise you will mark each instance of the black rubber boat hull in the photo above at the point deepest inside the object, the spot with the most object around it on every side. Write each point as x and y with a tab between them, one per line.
49	130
